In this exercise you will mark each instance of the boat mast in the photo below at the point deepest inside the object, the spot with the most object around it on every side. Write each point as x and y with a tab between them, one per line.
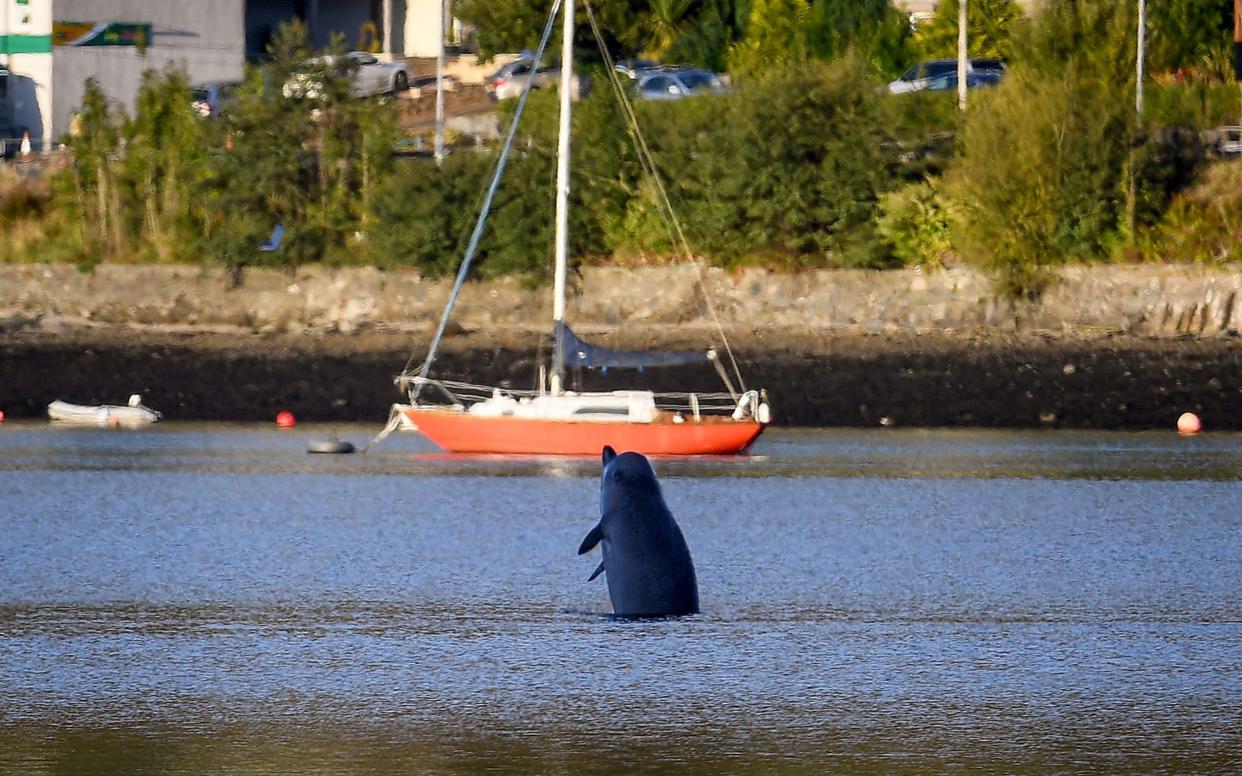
562	195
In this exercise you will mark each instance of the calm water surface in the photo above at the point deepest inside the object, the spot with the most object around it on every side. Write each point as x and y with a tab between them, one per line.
192	599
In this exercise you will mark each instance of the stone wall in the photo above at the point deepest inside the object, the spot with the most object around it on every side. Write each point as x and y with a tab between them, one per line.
1141	299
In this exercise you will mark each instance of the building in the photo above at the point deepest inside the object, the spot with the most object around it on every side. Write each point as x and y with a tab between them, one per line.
50	47
26	64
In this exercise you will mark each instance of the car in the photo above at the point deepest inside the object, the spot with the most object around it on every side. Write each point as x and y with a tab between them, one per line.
210	99
367	74
511	78
921	74
632	68
678	83
948	83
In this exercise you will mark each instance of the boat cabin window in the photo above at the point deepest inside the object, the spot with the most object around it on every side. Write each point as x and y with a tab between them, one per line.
602	411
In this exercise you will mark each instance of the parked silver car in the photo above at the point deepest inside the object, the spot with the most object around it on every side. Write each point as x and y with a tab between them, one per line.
368	76
510	79
676	84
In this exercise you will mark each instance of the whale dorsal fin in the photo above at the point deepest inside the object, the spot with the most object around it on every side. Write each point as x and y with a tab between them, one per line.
609	454
593	538
598	570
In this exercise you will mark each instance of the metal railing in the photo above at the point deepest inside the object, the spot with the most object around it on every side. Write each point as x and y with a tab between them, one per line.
462	395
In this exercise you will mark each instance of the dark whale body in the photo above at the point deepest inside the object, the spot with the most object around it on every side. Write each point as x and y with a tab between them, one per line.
650	573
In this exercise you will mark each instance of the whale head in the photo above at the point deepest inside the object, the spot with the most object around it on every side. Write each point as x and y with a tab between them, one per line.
626	476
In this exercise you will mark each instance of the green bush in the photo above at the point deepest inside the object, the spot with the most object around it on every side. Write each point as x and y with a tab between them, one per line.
914	222
1194	103
1202	224
1042	177
812	164
22	199
787	170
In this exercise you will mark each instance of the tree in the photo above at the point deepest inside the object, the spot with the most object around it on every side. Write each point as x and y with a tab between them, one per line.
777	35
517	25
665	25
94	145
165	167
836	24
1190	34
705	40
991	28
1043	172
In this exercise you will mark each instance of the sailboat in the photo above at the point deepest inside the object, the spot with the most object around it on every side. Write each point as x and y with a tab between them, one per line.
552	420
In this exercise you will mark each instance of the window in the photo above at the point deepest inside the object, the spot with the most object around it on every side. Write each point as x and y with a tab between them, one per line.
660	83
698	80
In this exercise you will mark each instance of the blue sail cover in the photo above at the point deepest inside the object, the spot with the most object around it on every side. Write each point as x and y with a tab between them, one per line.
573	351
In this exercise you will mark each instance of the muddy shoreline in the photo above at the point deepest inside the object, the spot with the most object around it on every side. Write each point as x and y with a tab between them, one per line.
1079	380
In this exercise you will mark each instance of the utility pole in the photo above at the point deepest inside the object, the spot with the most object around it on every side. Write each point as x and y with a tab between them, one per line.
1139	59
387	30
439	147
1140	56
962	63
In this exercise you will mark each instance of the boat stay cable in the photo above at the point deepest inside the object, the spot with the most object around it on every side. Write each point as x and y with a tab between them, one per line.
664	204
464	270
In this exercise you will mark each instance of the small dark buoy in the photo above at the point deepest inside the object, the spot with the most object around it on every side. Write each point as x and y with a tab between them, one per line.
331	446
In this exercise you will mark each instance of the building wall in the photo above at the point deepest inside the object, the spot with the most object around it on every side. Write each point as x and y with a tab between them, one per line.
324	18
263	18
423	23
25	50
344	17
206	38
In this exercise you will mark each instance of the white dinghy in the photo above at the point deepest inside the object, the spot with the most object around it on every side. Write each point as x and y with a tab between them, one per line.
108	415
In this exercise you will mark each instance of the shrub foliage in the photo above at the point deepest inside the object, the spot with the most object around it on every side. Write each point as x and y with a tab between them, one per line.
809	162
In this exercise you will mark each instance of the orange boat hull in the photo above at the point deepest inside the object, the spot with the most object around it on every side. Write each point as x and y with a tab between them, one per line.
460	432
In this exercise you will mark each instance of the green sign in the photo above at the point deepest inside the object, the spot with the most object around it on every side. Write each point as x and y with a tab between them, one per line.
25	44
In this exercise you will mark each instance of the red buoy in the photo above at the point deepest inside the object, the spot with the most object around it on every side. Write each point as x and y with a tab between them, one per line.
285	419
1	416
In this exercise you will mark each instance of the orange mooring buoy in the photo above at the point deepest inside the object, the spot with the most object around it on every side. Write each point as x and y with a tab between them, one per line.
1188	424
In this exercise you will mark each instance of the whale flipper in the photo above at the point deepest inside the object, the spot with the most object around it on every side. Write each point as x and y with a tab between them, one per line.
593	538
598	570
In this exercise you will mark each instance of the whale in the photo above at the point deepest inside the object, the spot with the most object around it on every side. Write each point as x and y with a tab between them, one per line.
645	558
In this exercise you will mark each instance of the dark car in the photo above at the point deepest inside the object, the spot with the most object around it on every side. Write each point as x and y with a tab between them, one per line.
677	83
632	68
921	75
948	83
211	99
